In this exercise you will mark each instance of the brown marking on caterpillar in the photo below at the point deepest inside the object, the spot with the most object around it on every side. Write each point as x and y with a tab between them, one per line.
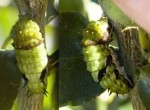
116	73
29	46
43	74
109	60
102	73
118	68
100	41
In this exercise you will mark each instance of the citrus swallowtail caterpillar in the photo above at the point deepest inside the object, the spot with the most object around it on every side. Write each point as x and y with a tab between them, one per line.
31	54
101	60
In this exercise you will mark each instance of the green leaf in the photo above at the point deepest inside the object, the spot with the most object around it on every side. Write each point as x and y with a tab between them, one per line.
115	13
143	85
71	5
75	82
9	79
144	91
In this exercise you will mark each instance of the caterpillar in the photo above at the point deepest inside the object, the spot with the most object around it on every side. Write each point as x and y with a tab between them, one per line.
30	53
101	60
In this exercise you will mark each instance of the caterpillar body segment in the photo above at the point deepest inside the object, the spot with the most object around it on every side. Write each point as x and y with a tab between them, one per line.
95	33
95	59
26	62
114	79
101	60
31	54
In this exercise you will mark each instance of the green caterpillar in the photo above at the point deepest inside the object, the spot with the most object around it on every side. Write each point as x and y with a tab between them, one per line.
100	58
31	54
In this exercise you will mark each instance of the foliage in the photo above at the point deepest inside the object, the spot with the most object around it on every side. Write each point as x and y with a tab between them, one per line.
10	83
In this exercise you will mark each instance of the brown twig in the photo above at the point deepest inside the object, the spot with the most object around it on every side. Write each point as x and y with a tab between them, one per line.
131	56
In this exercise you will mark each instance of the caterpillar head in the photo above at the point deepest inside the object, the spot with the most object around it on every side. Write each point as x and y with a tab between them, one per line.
95	32
27	34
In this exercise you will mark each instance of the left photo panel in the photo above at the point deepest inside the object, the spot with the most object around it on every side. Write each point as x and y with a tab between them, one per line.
29	54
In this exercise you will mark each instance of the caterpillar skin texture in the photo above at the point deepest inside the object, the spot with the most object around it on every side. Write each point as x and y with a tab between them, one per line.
101	60
113	78
96	31
95	57
31	54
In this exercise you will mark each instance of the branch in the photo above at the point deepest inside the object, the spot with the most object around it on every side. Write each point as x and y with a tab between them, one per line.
29	101
132	58
130	51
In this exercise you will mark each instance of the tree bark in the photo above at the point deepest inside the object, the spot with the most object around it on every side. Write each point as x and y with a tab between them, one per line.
131	56
35	9
130	51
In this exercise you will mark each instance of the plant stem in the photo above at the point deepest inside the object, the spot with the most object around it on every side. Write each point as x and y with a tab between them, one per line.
132	58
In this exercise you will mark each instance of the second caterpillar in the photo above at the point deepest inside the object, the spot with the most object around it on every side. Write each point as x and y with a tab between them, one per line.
101	60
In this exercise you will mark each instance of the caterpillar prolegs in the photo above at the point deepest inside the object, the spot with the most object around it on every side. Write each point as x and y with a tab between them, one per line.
101	60
30	53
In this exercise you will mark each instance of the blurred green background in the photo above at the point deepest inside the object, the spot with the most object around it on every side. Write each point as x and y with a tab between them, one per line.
8	17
